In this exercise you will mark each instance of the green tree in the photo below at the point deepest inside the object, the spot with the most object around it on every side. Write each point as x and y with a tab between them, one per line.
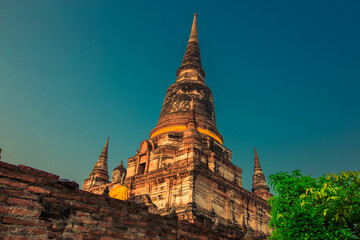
304	207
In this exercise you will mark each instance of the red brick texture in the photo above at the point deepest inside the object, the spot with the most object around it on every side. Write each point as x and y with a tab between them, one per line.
36	205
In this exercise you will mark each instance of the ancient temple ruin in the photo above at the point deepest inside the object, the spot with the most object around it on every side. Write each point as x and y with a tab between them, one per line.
183	168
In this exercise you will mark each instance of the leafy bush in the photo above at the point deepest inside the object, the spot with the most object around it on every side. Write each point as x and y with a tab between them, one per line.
304	207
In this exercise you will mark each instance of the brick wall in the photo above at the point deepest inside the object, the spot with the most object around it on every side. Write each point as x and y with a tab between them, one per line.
36	205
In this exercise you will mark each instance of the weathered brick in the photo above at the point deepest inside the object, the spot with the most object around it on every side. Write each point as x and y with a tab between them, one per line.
36	231
79	228
143	238
12	183
4	228
2	198
54	234
185	233
135	216
53	185
7	165
128	222
115	233
38	190
67	235
107	238
14	220
82	214
23	212
97	200
203	237
142	224
86	207
38	173
108	219
13	229
121	213
171	236
51	200
106	211
68	227
104	224
69	184
66	196
84	220
90	237
14	238
129	236
4	209
18	193
19	201
17	175
134	229
42	223
98	231
25	222
79	236
36	205
150	232
133	210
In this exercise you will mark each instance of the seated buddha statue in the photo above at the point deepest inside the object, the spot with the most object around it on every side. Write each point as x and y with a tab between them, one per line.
119	191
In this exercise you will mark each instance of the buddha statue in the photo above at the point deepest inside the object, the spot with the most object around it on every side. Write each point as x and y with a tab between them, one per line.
119	191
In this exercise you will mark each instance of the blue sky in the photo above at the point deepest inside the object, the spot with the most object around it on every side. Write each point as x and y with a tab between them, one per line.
284	75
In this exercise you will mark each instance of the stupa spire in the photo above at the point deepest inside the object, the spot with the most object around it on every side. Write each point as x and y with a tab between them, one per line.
101	164
191	68
194	34
257	163
259	186
99	175
189	84
104	152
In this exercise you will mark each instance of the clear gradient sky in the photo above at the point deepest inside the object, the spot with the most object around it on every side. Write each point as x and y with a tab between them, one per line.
285	76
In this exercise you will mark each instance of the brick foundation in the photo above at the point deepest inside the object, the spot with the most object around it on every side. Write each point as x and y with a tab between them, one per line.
36	205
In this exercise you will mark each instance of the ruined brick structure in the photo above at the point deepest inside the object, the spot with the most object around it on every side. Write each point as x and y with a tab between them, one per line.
37	205
184	166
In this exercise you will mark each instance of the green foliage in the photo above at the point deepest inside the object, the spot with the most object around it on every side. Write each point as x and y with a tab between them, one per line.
304	207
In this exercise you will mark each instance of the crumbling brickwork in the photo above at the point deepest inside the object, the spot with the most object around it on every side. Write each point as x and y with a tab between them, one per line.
37	205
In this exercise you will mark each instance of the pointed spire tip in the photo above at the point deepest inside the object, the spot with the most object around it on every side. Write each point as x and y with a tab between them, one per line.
193	33
192	60
257	163
105	150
